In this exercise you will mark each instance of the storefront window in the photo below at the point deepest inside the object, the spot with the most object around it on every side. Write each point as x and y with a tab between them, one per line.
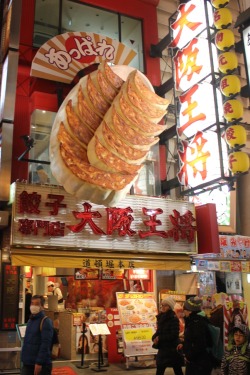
79	17
46	21
39	169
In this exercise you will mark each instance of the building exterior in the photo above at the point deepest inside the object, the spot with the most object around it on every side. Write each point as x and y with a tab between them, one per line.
139	24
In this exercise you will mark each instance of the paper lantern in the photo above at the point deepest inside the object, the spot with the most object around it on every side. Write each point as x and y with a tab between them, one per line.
238	162
219	3
228	62
236	135
233	110
230	85
222	18
224	39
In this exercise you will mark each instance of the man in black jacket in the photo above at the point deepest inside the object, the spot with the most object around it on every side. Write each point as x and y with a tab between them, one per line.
196	339
36	349
166	339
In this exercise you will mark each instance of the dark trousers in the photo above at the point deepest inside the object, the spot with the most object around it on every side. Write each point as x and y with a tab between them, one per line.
161	369
198	369
29	370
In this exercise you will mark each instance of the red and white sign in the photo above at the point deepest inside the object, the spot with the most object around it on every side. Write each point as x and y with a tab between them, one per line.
190	66
138	274
197	109
47	216
199	159
190	22
62	57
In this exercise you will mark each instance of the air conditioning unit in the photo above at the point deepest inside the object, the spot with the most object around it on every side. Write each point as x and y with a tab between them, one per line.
4	219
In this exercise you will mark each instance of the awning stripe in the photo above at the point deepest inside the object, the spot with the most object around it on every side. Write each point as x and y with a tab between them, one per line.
66	259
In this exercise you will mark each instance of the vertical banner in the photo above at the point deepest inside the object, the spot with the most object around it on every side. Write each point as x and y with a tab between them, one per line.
138	322
10	296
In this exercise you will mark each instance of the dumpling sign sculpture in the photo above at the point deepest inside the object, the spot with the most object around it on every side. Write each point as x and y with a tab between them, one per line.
103	132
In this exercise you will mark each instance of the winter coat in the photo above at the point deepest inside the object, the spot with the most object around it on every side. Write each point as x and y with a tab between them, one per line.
36	348
197	341
168	333
236	360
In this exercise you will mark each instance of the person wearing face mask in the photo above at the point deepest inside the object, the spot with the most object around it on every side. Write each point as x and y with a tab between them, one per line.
36	349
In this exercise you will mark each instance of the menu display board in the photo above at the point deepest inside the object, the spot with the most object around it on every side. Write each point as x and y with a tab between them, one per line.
10	294
138	322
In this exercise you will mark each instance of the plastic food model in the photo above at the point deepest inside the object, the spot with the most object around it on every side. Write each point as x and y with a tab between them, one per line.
103	131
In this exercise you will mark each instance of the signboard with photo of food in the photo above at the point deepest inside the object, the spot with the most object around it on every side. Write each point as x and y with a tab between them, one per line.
137	313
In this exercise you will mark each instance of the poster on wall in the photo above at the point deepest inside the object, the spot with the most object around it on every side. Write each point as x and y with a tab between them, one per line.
137	313
207	283
86	274
233	283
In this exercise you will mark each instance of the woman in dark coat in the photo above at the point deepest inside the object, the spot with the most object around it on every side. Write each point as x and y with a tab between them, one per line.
166	339
196	339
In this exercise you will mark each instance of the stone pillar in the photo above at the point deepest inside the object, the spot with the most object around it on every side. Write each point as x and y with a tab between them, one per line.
243	208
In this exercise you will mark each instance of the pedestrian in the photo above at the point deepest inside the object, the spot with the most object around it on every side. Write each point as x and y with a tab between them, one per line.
166	339
27	302
36	349
197	339
55	290
236	360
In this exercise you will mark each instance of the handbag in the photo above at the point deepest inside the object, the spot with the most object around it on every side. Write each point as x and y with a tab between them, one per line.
55	351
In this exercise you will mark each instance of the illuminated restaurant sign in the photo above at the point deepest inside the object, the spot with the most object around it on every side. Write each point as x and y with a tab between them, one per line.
197	109
190	22
190	66
203	153
199	159
47	216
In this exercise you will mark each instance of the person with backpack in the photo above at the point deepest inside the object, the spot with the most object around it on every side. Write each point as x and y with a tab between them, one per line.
197	339
36	349
236	360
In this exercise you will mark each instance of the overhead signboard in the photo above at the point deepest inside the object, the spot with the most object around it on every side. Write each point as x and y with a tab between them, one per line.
47	217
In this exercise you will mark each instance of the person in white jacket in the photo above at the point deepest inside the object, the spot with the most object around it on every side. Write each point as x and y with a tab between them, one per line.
55	290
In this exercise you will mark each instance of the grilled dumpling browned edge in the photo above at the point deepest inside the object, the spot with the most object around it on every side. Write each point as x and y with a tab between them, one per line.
116	144
78	164
128	134
112	78
136	120
86	111
102	158
77	128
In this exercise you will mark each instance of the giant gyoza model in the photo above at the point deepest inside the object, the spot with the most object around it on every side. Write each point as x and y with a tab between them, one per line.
103	132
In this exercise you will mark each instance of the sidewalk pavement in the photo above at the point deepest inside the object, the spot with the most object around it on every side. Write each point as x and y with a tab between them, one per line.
111	369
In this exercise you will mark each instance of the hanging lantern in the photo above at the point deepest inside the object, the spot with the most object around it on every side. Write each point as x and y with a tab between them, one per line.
222	18
238	162
219	3
228	62
230	85
224	39
236	135
233	110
